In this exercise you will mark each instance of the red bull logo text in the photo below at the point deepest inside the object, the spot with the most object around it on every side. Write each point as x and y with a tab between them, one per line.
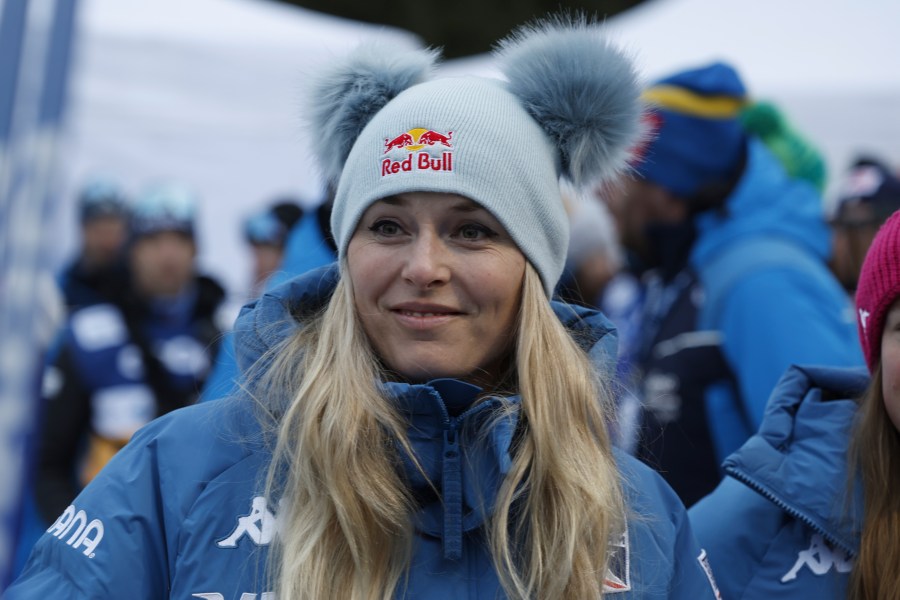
419	143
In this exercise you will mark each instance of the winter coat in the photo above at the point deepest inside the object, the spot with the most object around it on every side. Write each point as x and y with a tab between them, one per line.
180	512
118	366
781	525
755	297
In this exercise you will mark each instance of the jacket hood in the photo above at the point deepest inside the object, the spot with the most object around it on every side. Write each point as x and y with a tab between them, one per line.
765	201
798	460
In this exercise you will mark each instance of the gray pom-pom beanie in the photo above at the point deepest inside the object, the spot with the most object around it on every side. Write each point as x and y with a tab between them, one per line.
570	108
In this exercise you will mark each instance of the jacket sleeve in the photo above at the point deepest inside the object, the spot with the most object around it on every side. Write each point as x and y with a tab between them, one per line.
778	317
111	541
667	560
736	526
65	421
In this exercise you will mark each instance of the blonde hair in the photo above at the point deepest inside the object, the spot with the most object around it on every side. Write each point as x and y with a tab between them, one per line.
875	451
345	522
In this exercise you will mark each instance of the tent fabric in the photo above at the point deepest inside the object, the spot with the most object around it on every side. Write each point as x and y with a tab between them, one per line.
209	92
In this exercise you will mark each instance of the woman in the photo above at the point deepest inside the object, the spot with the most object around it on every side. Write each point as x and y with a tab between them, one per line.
811	507
428	424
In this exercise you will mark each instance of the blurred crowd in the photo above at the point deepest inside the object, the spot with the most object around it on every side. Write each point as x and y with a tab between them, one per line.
719	258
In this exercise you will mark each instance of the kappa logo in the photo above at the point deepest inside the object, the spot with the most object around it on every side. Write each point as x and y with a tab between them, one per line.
618	571
74	524
419	144
820	557
260	525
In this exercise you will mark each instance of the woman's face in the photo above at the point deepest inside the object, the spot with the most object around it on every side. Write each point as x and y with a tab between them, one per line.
437	284
890	363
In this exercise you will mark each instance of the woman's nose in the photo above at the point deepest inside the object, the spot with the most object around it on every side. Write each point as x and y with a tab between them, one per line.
427	264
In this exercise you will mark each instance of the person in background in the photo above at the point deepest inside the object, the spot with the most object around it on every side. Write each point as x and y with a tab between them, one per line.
310	243
809	505
869	193
99	268
266	233
429	423
736	282
594	257
124	362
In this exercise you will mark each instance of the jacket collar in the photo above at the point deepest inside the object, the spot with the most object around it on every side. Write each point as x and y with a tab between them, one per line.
462	440
798	460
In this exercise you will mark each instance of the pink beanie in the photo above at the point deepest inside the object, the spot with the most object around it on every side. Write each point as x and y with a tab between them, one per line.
879	286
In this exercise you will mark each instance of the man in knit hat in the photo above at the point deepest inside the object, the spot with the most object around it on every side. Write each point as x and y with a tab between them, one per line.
868	195
141	354
735	254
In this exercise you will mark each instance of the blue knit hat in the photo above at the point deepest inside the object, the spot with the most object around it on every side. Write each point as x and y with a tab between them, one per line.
698	138
502	144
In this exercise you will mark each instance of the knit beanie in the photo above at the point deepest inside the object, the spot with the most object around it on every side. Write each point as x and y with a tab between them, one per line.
797	155
878	288
569	108
164	207
699	139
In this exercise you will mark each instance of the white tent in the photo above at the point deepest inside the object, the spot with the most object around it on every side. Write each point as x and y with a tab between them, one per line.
204	92
209	92
831	65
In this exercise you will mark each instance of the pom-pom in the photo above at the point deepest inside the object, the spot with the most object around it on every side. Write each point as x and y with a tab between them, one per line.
583	91
348	94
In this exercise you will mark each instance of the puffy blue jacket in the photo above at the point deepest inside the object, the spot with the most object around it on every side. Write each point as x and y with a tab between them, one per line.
779	525
179	512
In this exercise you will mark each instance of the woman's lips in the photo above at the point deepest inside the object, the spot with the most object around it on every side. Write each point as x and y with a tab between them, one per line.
424	317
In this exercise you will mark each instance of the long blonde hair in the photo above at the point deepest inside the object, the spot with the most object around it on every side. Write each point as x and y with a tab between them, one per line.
345	522
875	451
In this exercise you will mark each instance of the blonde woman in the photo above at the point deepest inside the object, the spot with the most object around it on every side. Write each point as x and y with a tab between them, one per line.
421	420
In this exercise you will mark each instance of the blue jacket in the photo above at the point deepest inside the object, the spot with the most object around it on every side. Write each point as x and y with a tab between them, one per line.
754	297
179	512
780	524
768	292
118	366
306	249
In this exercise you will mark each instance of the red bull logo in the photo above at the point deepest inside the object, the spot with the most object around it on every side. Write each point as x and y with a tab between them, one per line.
420	145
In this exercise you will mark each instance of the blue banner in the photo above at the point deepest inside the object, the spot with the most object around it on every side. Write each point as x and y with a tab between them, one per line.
35	49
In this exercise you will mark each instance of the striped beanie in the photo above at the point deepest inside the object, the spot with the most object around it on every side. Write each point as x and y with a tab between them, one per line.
695	120
879	287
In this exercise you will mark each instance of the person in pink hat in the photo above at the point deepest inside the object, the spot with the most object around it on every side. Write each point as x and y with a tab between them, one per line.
811	504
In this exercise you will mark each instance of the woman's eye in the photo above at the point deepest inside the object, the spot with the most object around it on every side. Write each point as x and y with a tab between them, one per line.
472	232
385	228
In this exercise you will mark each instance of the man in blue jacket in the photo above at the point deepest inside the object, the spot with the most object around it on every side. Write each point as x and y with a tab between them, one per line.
737	283
123	362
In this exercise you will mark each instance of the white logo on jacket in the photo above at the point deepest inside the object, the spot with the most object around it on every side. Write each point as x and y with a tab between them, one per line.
819	557
74	523
618	571
260	525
